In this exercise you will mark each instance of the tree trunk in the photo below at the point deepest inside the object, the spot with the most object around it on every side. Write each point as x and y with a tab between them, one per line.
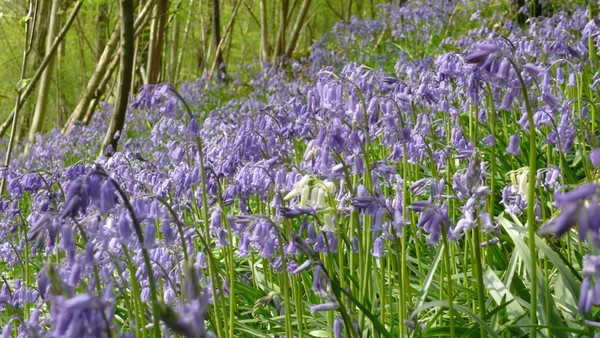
102	21
111	140
25	92
186	31
283	23
226	37
216	20
37	42
204	46
174	52
36	47
157	39
114	63
264	32
91	90
244	36
349	10
15	118
42	100
297	28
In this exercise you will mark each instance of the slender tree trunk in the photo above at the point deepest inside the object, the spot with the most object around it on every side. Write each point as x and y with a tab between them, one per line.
38	73
283	23
157	41
244	32
349	10
111	140
102	21
36	50
91	90
216	20
173	47
300	20
37	42
227	36
15	118
140	76
204	47
114	63
186	32
42	100
264	32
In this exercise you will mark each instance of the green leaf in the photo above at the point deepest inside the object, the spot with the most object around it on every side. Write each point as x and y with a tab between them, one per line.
443	331
571	284
376	324
500	293
518	233
22	84
430	276
461	308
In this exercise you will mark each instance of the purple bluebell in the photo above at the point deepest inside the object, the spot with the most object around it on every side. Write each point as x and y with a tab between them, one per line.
550	100
338	327
583	192
6	330
481	53
589	294
514	145
532	70
107	197
595	157
378	250
188	319
575	210
125	226
323	307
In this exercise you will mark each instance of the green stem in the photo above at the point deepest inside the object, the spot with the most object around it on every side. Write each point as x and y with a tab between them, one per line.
147	265
212	271
448	281
286	291
492	119
530	202
479	275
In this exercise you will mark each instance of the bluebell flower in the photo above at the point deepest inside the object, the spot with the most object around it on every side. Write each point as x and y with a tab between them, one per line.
595	157
188	319
514	145
532	70
167	230
481	53
578	206
150	235
6	330
378	250
323	307
550	100
107	197
589	294
124	226
583	192
338	327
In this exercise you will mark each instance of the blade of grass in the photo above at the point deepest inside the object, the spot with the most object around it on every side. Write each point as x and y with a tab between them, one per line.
500	293
518	234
